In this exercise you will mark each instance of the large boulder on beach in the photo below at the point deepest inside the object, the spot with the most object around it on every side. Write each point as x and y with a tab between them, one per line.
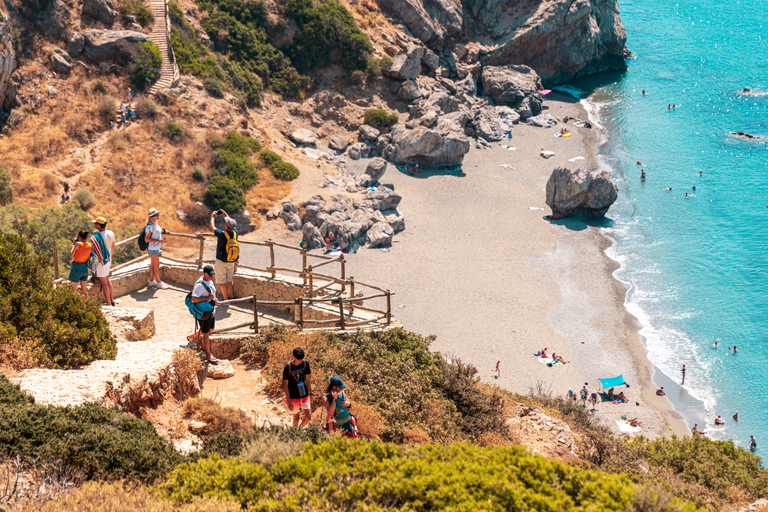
304	136
542	121
380	235
311	237
580	192
373	173
425	146
508	85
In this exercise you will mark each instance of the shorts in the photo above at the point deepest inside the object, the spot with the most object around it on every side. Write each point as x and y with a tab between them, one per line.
103	270
78	272
207	326
225	271
300	403
153	252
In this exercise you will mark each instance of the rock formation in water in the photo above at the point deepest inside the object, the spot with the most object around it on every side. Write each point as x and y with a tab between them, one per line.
580	192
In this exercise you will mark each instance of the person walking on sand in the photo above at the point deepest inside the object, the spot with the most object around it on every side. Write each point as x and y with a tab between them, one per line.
593	399
203	308
81	251
103	241
153	235
683	372
227	253
498	372
584	392
297	385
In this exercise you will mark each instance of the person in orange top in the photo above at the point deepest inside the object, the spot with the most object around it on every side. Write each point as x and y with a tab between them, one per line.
81	251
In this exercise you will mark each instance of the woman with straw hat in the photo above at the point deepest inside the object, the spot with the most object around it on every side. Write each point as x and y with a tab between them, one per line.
153	235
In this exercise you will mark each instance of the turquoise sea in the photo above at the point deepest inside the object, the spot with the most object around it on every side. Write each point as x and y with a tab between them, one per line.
697	267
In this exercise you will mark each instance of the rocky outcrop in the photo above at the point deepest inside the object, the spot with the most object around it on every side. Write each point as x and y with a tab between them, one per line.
407	65
7	63
425	146
56	18
304	136
100	10
560	39
110	45
373	173
338	143
580	192
542	121
494	123
509	85
542	433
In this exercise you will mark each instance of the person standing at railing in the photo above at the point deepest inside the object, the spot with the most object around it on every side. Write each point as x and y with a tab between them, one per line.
153	235
81	251
103	241
227	253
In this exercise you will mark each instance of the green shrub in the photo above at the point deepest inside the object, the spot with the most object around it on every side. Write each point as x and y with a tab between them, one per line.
280	169
375	66
126	252
356	77
84	198
197	174
11	395
107	109
147	109
145	61
216	478
6	190
137	8
379	119
172	130
224	193
98	86
213	87
97	441
237	168
240	144
66	328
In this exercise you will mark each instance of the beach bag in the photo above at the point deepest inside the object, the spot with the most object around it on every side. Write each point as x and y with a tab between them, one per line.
93	262
232	247
143	245
200	310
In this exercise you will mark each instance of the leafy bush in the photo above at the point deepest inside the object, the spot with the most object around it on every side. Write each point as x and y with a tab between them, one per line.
65	328
356	77
146	109
100	442
145	61
379	119
172	130
325	31
280	169
216	478
6	190
240	144
11	395
122	497
107	109
84	198
218	419
197	174
137	8
98	86
224	193
233	159
213	87
374	67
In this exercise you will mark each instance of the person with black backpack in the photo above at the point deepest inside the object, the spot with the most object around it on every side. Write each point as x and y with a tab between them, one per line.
297	385
201	302
227	253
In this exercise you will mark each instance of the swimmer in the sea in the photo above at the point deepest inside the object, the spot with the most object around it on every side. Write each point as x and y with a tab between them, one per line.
639	162
693	187
642	175
747	89
686	194
669	106
674	106
644	91
699	173
668	189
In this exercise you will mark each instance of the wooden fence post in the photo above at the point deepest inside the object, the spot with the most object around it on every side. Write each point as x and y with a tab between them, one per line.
271	257
202	250
300	303
343	273
341	313
55	263
304	264
255	316
389	307
311	281
351	286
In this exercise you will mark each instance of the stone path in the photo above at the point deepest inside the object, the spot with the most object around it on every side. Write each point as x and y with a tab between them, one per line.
160	36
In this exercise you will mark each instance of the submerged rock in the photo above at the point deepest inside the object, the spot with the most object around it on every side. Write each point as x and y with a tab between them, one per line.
580	192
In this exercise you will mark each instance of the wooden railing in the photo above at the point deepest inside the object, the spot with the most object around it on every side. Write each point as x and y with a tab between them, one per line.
345	306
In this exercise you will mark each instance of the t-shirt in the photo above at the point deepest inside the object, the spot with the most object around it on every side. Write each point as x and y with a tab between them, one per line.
295	374
83	252
341	413
221	245
200	290
109	239
155	233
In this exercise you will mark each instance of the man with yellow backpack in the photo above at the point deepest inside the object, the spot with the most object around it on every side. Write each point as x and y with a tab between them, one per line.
227	254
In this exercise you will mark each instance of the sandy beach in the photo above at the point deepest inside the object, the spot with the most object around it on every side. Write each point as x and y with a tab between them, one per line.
480	268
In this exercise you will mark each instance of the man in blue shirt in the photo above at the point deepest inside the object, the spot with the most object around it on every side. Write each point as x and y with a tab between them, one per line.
227	254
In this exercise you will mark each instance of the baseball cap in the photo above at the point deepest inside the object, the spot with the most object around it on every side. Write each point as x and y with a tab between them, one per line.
229	221
100	220
208	269
336	381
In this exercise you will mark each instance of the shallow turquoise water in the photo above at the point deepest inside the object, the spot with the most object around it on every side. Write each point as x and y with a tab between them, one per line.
697	266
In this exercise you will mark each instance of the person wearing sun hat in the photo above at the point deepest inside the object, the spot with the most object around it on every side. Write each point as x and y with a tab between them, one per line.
103	241
153	235
337	408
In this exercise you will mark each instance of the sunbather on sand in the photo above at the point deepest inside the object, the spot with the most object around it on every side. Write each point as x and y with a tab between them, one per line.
635	422
558	358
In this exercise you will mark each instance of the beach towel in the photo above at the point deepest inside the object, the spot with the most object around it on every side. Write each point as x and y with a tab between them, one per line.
506	166
626	427
548	361
511	148
535	208
576	158
612	382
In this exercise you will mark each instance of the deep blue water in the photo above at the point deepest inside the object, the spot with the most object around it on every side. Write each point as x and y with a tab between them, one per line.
697	266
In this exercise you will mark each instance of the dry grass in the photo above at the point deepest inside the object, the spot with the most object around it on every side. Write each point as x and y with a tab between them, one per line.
120	497
185	364
369	423
265	450
416	436
218	419
20	484
18	354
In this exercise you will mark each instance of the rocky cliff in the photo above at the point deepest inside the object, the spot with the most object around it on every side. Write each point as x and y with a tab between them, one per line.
7	61
560	39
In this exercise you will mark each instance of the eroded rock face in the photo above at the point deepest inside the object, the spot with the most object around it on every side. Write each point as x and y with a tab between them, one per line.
431	21
509	85
7	62
304	136
426	146
406	66
100	10
580	192
110	45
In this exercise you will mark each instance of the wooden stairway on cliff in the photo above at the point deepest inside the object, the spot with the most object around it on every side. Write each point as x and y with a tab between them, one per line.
160	36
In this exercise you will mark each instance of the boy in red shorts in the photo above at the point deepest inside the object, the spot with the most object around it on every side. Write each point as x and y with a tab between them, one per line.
297	384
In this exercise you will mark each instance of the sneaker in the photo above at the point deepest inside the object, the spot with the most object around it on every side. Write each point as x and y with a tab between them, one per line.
151	284
162	286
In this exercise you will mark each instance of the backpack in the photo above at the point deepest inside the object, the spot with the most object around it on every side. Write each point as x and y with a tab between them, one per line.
199	310
233	247
143	245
